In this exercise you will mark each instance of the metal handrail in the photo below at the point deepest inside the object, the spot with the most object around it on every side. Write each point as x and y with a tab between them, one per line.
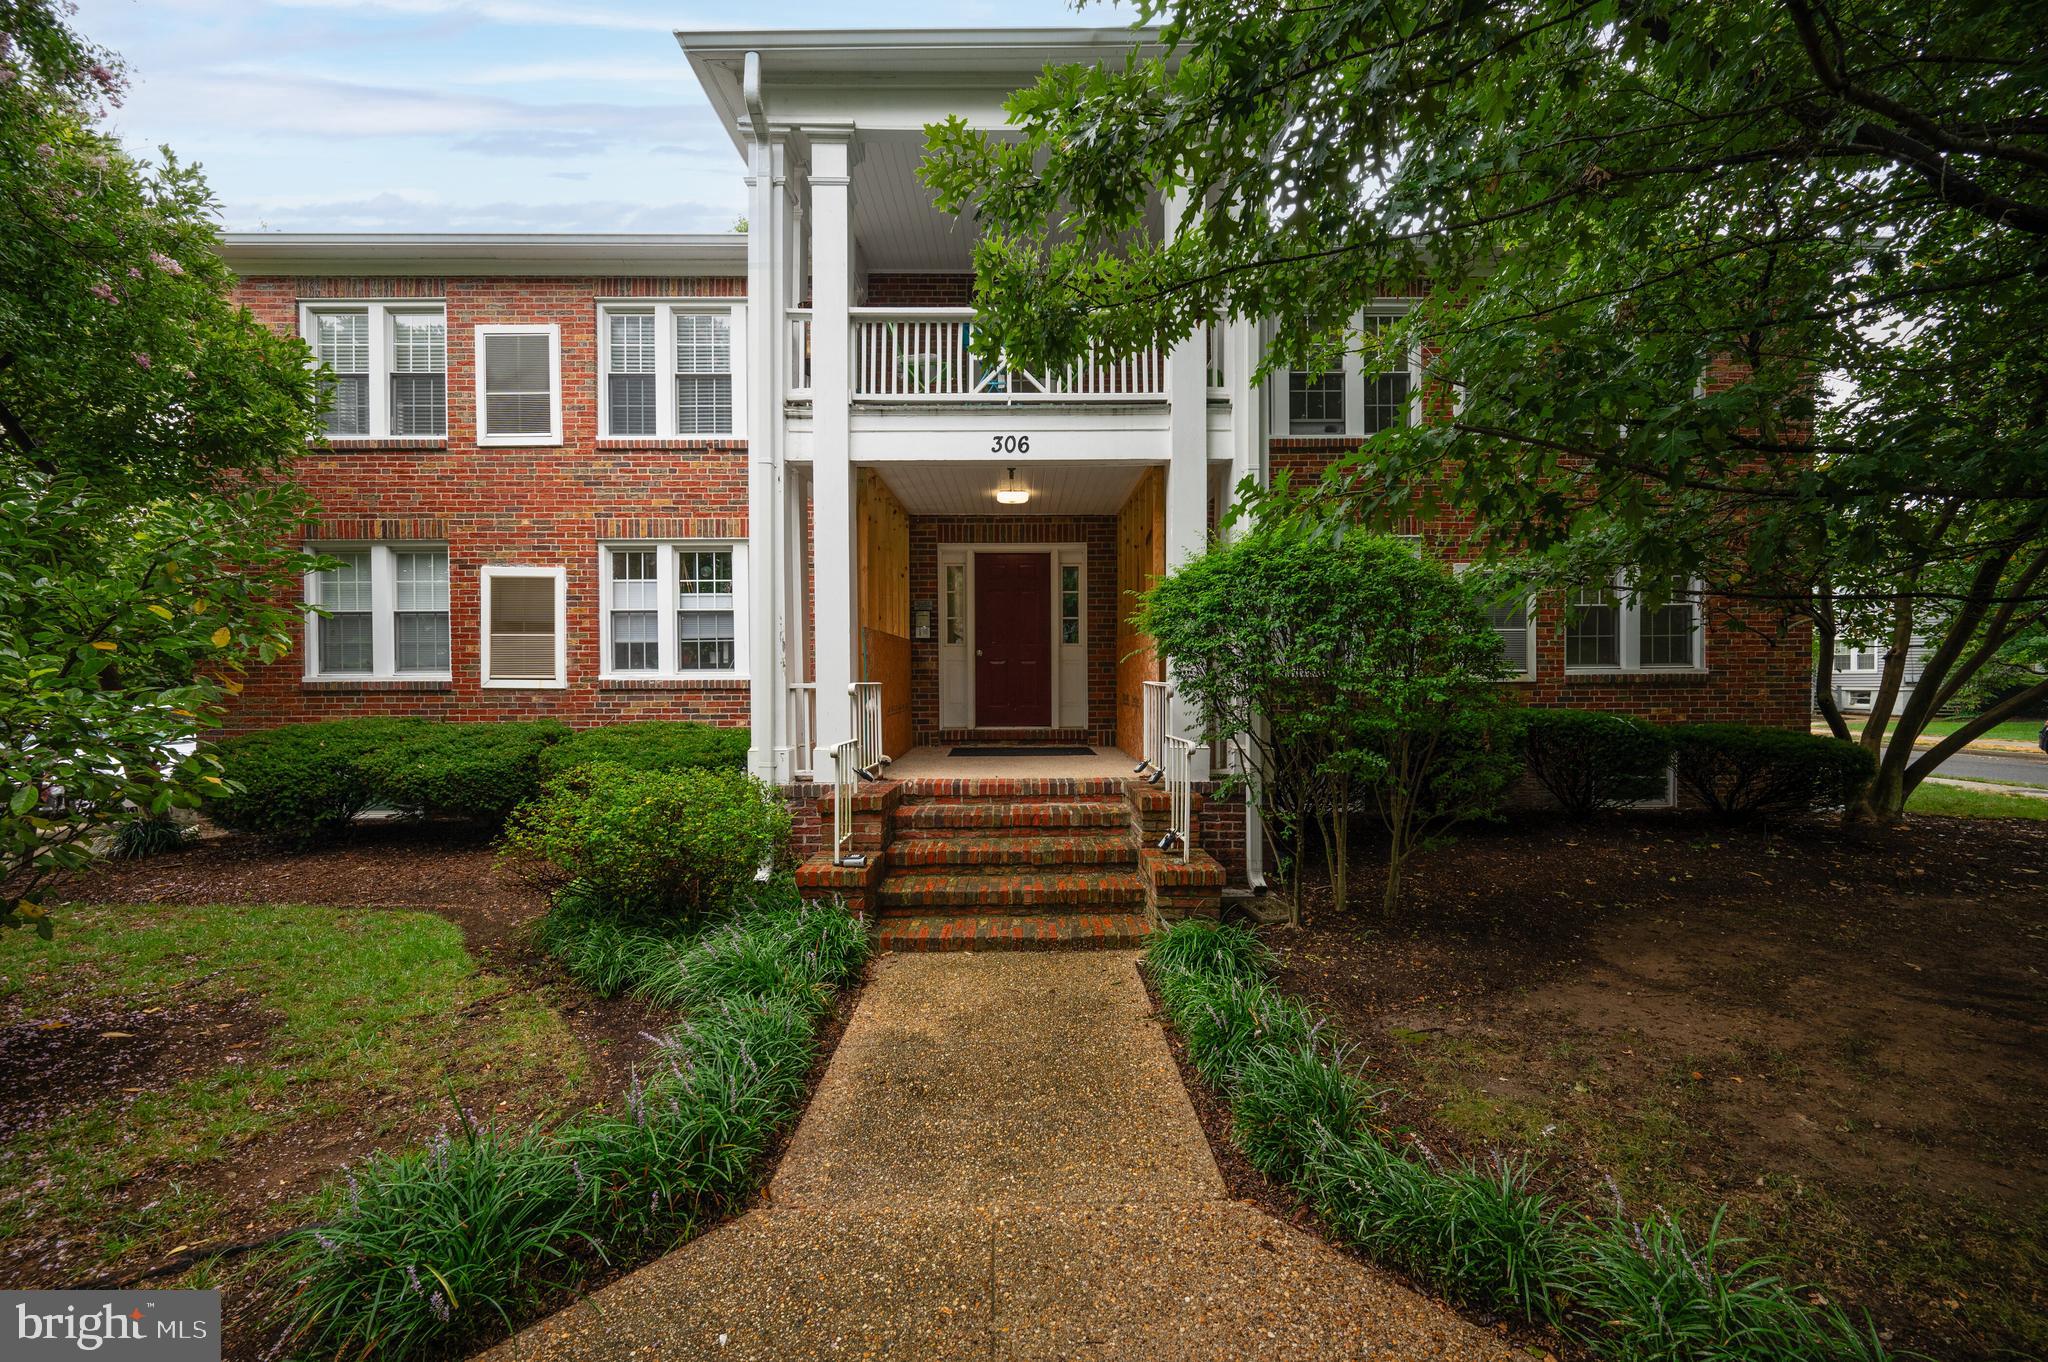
867	727
803	728
846	776
1156	697
1180	795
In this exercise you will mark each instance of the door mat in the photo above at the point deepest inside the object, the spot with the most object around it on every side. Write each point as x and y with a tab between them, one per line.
1022	752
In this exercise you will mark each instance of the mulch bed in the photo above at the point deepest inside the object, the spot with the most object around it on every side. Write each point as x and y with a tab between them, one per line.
1837	1032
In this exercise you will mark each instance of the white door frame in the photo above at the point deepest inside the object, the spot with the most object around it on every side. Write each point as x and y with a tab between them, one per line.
1077	552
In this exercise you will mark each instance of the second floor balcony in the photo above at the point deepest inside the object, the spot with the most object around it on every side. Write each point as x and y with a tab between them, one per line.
926	355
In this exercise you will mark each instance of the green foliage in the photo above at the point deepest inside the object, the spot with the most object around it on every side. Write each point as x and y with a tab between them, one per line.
1568	176
478	771
654	845
144	422
1742	771
653	745
1193	945
1485	1234
1346	669
301	782
604	953
141	838
1591	761
429	1250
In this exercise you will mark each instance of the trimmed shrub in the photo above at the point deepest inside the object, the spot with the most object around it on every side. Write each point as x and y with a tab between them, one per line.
1591	761
1743	771
302	782
478	771
656	745
654	845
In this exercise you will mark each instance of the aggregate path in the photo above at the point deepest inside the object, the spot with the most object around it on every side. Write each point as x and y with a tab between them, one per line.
1001	1162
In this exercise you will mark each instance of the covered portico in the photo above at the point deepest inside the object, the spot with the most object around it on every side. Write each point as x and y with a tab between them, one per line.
880	436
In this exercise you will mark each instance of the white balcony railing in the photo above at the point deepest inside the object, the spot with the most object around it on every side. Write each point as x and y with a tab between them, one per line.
927	355
799	340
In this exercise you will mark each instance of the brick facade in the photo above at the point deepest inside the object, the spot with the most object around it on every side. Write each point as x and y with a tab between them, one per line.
539	506
919	290
1757	666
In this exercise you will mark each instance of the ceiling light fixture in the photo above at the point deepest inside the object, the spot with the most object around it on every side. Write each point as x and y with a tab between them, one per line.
1012	492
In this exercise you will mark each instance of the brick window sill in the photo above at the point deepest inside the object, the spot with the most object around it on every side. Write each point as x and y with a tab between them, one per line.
703	444
360	444
1650	678
673	683
372	685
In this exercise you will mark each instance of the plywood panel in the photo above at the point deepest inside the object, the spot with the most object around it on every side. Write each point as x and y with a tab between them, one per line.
882	550
1140	561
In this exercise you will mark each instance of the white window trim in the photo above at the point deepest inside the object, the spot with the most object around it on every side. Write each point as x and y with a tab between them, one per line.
665	311
554	334
1528	668
1354	379
383	613
492	572
1631	637
667	605
379	310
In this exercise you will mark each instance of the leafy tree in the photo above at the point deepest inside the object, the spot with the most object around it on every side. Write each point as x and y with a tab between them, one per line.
142	421
1835	212
1344	671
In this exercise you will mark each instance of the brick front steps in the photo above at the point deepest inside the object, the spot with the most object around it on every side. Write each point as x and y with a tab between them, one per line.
1072	930
969	864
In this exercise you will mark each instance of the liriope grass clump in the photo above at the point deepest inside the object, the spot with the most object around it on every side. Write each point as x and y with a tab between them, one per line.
431	1250
1485	1234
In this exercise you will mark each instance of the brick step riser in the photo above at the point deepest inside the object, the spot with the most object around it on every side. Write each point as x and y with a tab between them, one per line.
995	820
997	859
897	912
1119	931
990	903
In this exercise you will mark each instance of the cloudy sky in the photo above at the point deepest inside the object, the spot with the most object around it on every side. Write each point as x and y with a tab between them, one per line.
461	115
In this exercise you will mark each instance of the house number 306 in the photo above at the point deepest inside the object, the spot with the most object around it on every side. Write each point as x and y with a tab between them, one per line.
1011	444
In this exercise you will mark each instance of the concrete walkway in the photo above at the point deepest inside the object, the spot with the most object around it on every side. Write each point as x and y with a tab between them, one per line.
1001	1163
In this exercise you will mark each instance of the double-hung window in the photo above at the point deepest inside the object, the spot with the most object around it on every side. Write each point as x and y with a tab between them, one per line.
1609	628
1373	390
1856	657
385	367
524	641
381	612
519	384
673	610
670	370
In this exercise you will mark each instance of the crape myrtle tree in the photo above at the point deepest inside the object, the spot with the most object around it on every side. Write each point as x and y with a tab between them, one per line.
1745	294
142	421
1346	672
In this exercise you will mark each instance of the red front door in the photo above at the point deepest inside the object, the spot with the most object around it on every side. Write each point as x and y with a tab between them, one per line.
1013	640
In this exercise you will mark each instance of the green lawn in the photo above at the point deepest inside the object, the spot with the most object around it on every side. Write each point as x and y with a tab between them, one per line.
2012	730
1960	802
378	1019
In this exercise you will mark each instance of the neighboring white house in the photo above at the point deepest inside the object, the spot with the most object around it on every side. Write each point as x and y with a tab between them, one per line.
1859	670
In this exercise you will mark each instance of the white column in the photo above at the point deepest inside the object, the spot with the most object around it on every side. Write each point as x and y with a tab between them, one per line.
767	750
1187	472
836	612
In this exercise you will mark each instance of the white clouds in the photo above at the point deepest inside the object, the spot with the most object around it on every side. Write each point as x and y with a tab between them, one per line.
569	14
417	211
675	74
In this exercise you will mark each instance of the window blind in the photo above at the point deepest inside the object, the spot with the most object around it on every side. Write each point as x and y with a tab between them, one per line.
522	629
518	384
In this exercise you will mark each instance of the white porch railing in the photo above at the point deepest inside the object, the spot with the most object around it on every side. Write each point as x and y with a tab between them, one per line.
867	727
1156	697
803	729
1219	374
799	340
845	780
1180	796
927	355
